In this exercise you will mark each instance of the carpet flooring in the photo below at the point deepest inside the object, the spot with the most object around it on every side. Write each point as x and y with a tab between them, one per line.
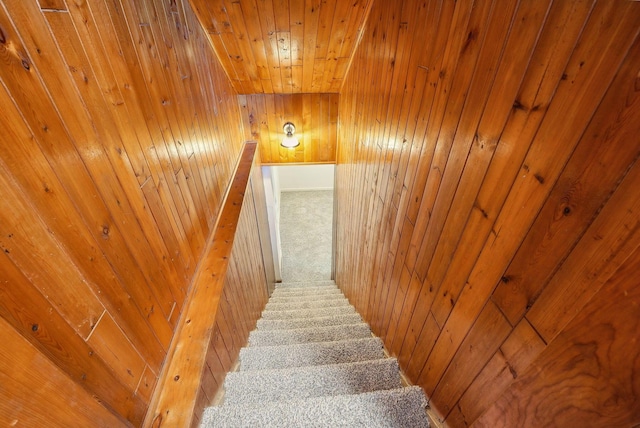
313	362
305	233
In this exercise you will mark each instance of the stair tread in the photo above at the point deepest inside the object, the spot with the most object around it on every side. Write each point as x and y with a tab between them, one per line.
300	284
312	381
312	334
309	304
304	287
308	313
307	298
289	324
307	292
308	354
402	407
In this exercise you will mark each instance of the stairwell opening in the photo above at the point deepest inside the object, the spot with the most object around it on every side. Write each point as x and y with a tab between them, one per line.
300	202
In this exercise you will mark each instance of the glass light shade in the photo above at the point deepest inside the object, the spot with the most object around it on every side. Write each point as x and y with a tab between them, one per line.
289	141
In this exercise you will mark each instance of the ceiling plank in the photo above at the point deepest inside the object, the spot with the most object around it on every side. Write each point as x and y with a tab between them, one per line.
283	46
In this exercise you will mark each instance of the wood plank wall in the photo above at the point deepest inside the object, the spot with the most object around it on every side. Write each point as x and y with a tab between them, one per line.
119	131
315	117
245	282
488	205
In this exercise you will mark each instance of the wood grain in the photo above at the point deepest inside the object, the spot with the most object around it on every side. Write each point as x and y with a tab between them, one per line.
513	103
596	166
610	239
33	379
120	131
589	374
113	346
314	116
512	358
178	391
275	47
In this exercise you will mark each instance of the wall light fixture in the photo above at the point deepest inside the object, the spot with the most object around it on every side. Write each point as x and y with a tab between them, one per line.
289	141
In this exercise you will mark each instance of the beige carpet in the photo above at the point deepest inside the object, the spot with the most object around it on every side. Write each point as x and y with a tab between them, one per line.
305	232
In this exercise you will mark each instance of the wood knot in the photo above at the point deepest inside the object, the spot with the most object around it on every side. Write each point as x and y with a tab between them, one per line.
3	38
26	65
35	327
517	105
566	211
176	378
473	35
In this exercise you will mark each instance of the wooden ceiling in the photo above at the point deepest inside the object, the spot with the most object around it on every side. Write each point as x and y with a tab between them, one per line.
283	46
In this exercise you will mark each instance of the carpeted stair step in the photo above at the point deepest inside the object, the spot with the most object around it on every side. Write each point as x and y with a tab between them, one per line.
289	324
306	298
283	292
306	284
313	304
308	313
309	354
314	381
403	407
307	335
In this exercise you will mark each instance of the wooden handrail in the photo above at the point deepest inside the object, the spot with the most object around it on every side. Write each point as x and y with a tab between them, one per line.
174	397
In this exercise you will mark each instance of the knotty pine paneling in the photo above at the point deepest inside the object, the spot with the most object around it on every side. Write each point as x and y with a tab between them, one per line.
245	295
485	184
283	47
314	115
120	131
32	379
578	378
